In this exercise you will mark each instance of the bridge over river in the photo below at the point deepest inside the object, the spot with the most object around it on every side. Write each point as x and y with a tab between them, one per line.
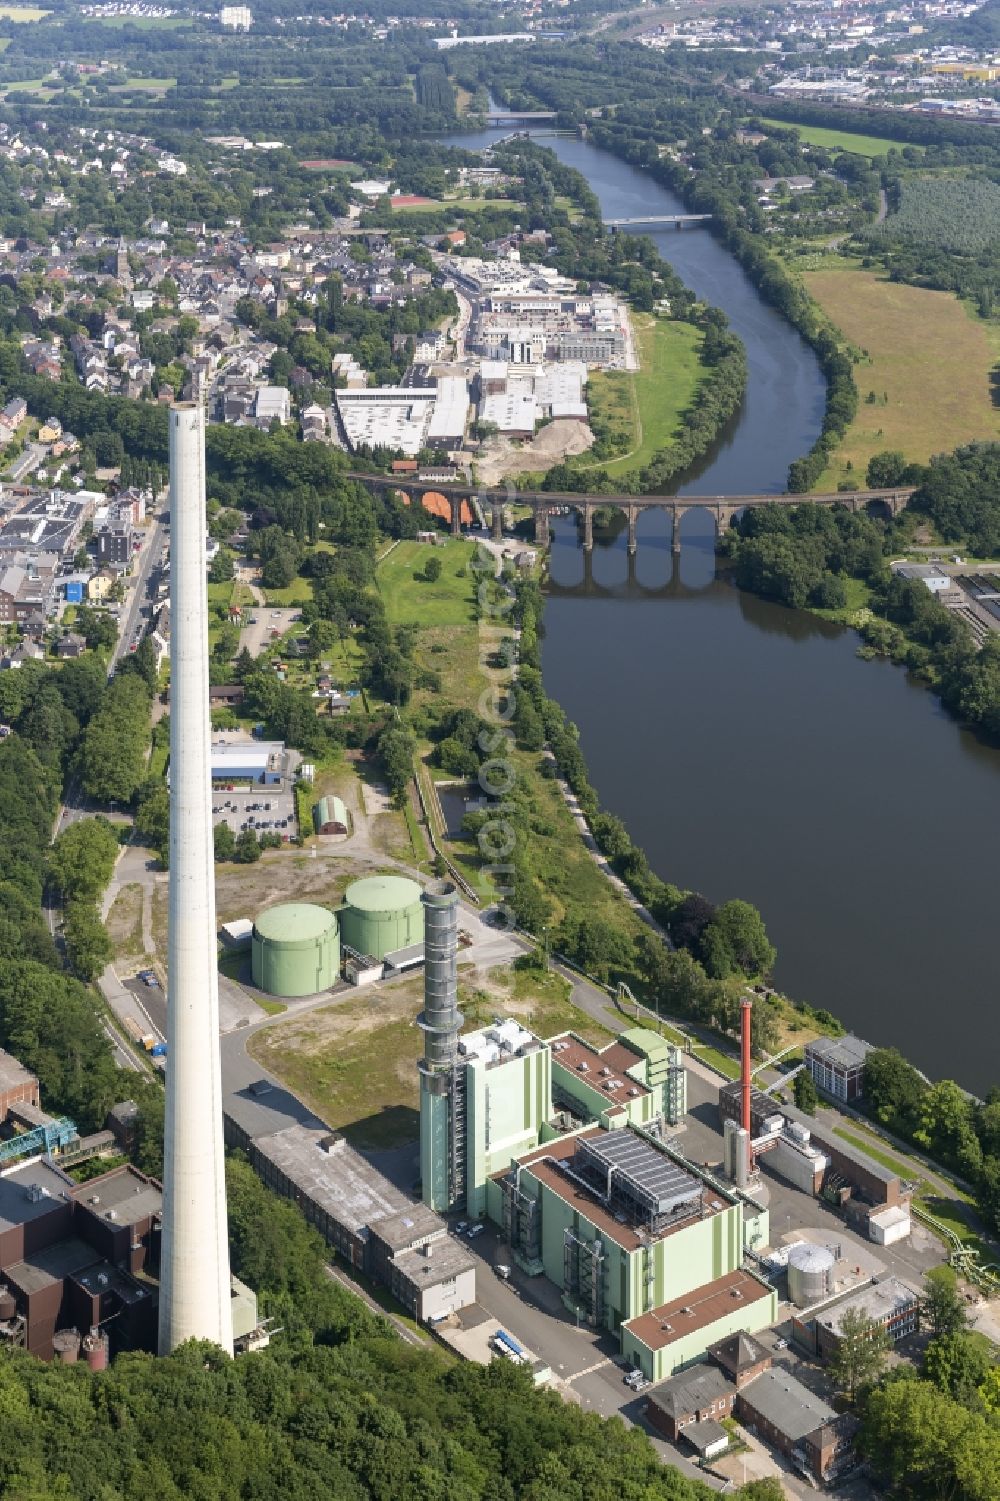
546	502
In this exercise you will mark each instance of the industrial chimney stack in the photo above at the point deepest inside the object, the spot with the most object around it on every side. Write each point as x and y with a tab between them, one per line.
194	1261
442	1098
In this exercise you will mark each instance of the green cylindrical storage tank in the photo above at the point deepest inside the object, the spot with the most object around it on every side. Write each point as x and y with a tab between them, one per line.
295	950
382	914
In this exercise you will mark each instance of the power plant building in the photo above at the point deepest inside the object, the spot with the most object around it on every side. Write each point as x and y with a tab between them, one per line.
625	1228
381	914
295	950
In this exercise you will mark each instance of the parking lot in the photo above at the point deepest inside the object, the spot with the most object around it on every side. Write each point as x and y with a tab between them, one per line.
267	810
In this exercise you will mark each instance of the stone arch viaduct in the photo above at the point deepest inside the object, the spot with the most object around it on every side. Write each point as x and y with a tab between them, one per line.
545	502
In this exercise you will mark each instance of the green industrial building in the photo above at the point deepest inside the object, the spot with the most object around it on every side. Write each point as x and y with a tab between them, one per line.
295	950
624	1226
381	915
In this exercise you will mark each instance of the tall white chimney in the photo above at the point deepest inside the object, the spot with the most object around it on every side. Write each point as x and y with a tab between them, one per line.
194	1260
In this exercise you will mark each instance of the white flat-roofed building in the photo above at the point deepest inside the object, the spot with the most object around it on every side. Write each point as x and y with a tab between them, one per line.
405	418
272	402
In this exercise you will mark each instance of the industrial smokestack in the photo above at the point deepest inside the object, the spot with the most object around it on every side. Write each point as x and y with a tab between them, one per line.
442	1103
746	1008
194	1260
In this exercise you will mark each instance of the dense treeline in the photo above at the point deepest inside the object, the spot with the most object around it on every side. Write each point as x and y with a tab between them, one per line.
941	1120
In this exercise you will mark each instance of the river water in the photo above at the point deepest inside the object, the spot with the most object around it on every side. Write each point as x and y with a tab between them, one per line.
747	748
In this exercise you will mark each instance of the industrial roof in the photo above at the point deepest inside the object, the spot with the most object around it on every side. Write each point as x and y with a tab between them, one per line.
382	894
336	1178
839	1052
30	1192
12	1072
880	1301
50	1265
294	922
544	1164
660	1181
698	1309
124	1192
791	1408
603	1069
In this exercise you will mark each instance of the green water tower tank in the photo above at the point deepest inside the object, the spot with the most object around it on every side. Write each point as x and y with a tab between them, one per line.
295	950
382	914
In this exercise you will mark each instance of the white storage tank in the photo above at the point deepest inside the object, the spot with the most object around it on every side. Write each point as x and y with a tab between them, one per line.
810	1273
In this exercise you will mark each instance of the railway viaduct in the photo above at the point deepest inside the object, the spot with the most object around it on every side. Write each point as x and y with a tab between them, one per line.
544	502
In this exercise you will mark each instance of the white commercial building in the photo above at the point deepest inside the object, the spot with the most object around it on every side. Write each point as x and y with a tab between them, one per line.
405	418
236	17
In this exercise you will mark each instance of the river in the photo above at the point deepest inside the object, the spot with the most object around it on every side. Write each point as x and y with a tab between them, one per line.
748	749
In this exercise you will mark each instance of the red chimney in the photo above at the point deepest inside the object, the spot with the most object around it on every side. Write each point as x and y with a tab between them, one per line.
746	1006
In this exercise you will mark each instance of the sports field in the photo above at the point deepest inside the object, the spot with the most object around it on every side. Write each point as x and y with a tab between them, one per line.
840	140
926	359
22	13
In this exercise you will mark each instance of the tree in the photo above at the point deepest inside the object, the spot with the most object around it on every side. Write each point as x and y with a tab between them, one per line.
885	470
83	858
943	1307
152	815
88	946
893	1088
960	1364
689	920
861	1352
736	940
247	848
224	841
805	1091
432	569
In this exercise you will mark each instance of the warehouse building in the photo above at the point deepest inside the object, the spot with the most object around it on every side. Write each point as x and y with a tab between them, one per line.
373	1225
260	761
330	816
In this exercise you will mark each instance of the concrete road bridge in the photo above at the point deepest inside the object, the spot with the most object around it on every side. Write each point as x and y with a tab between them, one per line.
677	220
546	502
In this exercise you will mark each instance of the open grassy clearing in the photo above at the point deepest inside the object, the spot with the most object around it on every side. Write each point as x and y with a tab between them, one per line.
840	140
540	999
22	13
648	402
927	362
448	643
144	86
411	599
298	592
355	1063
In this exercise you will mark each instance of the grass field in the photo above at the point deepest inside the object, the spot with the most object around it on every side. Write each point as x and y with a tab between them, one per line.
298	592
22	13
650	401
411	599
927	361
144	86
839	140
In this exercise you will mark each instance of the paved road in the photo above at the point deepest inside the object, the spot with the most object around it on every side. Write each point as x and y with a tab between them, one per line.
139	592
